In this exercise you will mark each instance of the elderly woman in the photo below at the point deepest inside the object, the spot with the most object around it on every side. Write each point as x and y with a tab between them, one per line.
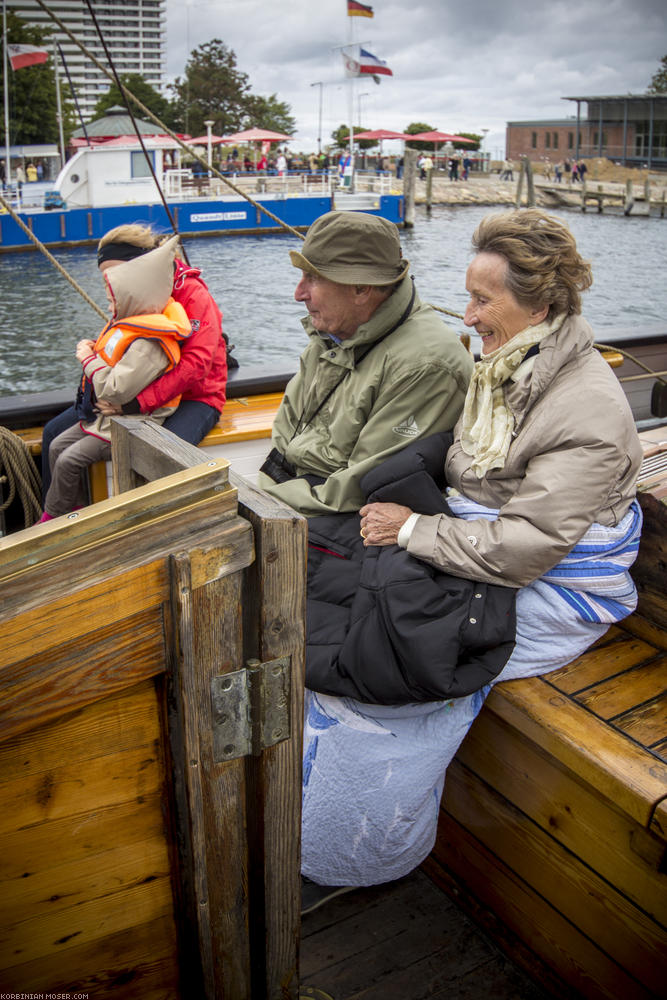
541	479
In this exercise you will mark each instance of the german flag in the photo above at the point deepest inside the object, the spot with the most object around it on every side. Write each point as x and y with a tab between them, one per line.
355	9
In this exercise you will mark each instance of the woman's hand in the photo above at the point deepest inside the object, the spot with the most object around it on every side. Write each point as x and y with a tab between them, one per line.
108	409
84	349
381	522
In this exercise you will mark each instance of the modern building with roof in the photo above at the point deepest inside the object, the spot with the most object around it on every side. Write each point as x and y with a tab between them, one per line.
134	32
630	129
116	122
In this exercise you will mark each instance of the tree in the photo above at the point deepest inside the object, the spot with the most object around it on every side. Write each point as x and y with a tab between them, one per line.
658	84
148	95
213	88
341	135
468	135
32	90
268	112
414	128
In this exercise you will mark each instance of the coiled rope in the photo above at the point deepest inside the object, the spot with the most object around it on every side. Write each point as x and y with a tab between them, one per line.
18	471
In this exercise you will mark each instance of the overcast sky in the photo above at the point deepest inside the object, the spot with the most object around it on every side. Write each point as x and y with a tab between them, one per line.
458	65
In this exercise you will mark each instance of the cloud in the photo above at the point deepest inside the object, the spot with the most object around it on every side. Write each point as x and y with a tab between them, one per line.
457	66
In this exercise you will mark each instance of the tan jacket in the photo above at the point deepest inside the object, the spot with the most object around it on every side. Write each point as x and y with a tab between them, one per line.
411	385
574	460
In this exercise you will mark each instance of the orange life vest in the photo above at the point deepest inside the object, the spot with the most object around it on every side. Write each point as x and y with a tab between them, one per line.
168	328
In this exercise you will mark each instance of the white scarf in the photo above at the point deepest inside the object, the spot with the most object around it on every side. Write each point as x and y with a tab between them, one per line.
487	423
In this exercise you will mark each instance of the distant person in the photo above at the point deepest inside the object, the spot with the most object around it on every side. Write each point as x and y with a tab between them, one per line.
548	170
558	172
420	166
575	172
40	170
200	377
582	171
467	165
427	165
3	174
507	174
400	164
567	171
141	341
248	164
20	178
281	164
454	168
31	173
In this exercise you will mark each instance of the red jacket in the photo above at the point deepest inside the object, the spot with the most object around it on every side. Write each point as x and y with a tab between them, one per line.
201	374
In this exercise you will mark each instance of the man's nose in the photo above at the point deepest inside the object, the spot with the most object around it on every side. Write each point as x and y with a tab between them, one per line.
300	293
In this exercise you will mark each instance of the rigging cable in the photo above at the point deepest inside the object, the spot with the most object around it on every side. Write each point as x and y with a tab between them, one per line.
138	134
167	131
52	259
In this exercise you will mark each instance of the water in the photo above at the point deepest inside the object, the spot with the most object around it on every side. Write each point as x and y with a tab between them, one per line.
42	317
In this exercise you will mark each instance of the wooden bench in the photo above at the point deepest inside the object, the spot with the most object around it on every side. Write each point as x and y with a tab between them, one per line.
244	418
553	828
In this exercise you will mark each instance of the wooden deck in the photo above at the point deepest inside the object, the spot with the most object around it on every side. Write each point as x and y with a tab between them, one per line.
404	940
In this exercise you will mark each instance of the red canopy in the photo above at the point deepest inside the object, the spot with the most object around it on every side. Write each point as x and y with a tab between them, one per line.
440	137
257	135
202	140
381	133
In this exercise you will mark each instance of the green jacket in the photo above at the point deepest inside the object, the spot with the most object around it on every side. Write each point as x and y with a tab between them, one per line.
411	385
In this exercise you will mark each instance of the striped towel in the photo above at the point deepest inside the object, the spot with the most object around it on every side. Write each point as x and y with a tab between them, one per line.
594	578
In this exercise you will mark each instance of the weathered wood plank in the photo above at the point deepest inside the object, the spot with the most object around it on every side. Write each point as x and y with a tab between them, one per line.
647	724
648	572
72	790
275	598
85	923
577	960
617	926
36	690
209	796
600	663
622	693
585	823
127	719
137	964
585	745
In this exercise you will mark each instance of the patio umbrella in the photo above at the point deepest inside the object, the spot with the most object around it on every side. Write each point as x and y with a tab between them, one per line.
202	140
436	137
257	135
380	134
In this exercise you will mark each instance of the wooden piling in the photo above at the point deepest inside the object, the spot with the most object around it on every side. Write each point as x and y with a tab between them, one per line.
429	190
629	198
409	179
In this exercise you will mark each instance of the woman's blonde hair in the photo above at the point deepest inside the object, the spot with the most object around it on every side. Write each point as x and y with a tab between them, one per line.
137	235
544	267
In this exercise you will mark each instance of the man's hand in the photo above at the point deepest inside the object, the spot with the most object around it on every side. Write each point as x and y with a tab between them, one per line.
108	409
84	349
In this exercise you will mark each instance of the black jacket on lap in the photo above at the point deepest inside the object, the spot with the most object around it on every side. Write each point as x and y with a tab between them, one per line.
386	628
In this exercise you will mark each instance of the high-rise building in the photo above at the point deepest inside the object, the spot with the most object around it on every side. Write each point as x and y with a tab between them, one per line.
133	30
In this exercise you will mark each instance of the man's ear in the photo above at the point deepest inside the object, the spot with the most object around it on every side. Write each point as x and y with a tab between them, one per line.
362	292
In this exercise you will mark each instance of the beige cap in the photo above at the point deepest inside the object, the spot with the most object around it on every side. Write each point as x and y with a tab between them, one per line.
352	248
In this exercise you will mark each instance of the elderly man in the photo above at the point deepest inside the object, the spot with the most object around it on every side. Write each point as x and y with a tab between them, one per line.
381	368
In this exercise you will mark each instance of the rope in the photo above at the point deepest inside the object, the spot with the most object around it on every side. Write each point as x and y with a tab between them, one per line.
22	476
448	312
52	259
144	110
630	357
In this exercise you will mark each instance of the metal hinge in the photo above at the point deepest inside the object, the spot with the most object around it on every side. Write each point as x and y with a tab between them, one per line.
251	709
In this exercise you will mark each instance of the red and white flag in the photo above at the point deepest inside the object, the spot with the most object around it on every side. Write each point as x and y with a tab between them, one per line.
26	55
361	62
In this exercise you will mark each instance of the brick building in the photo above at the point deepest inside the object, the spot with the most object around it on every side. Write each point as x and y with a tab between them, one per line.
631	130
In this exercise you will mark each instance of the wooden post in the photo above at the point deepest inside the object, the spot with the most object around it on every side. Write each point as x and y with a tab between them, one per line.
583	196
600	200
662	206
629	199
530	183
519	186
409	179
429	189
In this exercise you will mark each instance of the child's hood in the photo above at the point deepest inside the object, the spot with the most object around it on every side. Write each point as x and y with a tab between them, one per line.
143	285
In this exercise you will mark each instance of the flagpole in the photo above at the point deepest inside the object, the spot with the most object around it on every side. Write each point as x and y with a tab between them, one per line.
59	109
350	112
8	161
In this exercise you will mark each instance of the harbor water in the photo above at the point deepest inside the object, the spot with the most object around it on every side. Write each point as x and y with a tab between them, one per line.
42	316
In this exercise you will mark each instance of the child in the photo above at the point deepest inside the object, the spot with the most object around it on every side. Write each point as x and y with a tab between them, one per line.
136	346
